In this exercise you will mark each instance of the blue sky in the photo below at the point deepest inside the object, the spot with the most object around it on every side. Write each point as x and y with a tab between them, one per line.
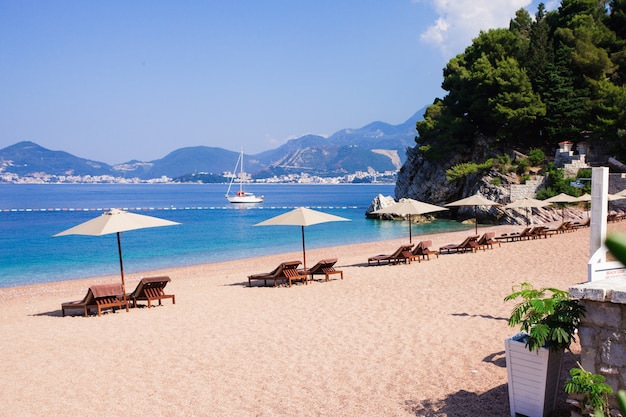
119	80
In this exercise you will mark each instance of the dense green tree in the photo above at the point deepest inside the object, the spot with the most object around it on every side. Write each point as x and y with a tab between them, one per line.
617	23
515	107
566	105
539	53
521	27
536	83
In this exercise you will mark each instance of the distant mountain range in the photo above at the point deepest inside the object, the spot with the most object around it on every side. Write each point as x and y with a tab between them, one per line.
377	146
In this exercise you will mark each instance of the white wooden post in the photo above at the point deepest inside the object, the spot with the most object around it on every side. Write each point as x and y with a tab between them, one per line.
599	209
597	267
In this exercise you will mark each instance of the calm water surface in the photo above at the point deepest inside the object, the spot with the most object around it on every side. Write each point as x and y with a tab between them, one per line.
212	229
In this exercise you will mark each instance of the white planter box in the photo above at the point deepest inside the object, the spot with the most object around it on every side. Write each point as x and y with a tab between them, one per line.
533	378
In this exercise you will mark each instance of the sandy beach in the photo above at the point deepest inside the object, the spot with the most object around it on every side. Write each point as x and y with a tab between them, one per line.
424	339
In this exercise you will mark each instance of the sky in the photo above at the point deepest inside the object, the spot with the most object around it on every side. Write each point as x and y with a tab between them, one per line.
118	80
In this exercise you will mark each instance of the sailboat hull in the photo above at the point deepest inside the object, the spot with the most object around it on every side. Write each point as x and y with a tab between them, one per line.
245	198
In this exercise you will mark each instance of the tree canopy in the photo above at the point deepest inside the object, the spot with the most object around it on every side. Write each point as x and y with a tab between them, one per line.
559	75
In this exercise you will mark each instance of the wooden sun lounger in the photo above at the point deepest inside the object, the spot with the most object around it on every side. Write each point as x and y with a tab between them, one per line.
402	254
580	225
512	237
292	274
150	289
487	240
277	274
562	228
324	267
469	244
423	249
538	232
99	297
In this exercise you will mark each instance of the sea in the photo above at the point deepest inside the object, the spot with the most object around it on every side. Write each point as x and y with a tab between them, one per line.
211	230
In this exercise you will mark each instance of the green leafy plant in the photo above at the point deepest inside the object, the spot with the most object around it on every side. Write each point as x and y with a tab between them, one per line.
504	160
547	315
522	166
459	171
595	392
536	156
497	181
557	183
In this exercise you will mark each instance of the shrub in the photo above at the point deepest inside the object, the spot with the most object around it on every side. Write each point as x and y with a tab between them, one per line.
522	165
556	184
536	156
465	169
497	181
504	160
592	387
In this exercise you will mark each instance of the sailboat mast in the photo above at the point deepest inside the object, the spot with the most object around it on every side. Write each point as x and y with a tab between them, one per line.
241	173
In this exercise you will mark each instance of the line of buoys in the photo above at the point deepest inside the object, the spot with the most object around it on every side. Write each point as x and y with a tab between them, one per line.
30	210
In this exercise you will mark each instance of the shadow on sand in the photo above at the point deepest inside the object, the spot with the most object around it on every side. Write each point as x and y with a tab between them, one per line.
492	403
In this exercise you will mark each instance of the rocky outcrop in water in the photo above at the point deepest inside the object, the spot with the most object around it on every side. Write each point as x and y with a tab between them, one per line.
379	202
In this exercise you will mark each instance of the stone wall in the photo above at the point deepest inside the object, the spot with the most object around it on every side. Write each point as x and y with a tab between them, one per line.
602	331
528	190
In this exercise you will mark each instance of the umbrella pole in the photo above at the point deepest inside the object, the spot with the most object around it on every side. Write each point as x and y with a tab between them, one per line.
303	248
475	221
119	249
410	237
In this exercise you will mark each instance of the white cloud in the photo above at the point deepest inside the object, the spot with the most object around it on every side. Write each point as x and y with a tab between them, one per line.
460	21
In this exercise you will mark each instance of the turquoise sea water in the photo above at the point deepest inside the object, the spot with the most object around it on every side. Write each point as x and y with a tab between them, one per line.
212	229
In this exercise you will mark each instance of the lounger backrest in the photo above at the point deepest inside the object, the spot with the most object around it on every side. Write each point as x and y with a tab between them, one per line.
323	264
423	246
106	290
149	282
286	266
468	240
154	283
399	252
88	298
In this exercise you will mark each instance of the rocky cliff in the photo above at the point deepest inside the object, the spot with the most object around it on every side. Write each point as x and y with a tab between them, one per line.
426	181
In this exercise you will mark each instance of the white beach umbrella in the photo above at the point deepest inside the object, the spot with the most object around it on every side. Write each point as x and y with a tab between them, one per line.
116	221
614	197
527	203
585	198
302	216
409	207
562	199
474	200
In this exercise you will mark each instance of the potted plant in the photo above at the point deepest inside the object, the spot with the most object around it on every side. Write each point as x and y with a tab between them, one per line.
548	320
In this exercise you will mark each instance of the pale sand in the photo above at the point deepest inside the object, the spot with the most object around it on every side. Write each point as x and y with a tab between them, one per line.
423	339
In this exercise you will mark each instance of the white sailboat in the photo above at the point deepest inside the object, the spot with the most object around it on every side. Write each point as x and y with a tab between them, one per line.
241	196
